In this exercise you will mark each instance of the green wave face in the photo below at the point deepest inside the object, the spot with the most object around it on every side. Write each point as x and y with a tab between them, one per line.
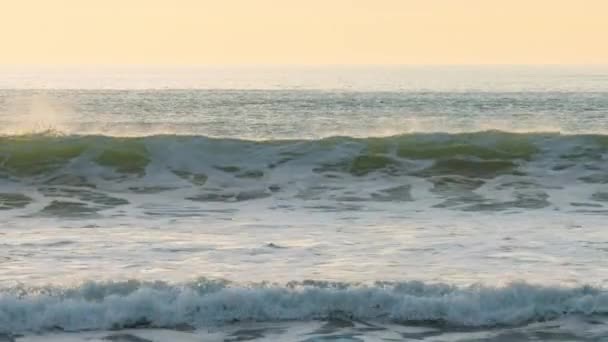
497	145
128	156
470	168
364	164
192	158
30	156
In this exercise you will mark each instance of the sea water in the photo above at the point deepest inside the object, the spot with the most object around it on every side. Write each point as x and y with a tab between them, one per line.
304	204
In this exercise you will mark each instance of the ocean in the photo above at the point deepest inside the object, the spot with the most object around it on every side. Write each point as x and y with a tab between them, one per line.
436	203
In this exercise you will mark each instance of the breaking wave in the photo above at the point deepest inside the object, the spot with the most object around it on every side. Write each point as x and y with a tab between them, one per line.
82	175
116	305
478	154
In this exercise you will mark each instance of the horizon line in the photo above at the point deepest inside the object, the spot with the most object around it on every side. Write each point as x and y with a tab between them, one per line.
290	65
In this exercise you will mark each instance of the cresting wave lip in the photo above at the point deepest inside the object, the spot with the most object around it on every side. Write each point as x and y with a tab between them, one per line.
117	305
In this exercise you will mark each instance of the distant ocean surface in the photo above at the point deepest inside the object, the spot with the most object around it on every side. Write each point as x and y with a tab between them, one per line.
304	204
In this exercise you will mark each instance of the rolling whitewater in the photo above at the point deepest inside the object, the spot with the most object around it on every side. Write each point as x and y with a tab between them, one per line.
455	204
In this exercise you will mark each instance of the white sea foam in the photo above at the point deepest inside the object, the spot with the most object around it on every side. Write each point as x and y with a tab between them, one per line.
123	305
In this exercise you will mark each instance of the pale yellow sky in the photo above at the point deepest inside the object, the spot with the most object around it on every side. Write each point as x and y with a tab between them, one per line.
191	32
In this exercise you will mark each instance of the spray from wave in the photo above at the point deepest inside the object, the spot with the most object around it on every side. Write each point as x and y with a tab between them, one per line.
37	114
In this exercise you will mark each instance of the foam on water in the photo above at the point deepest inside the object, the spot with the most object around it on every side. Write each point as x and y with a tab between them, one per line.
95	306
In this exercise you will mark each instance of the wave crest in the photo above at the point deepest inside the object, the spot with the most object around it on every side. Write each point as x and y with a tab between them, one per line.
116	305
104	172
32	155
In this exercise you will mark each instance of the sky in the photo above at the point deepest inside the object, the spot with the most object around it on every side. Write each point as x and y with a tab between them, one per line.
298	32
